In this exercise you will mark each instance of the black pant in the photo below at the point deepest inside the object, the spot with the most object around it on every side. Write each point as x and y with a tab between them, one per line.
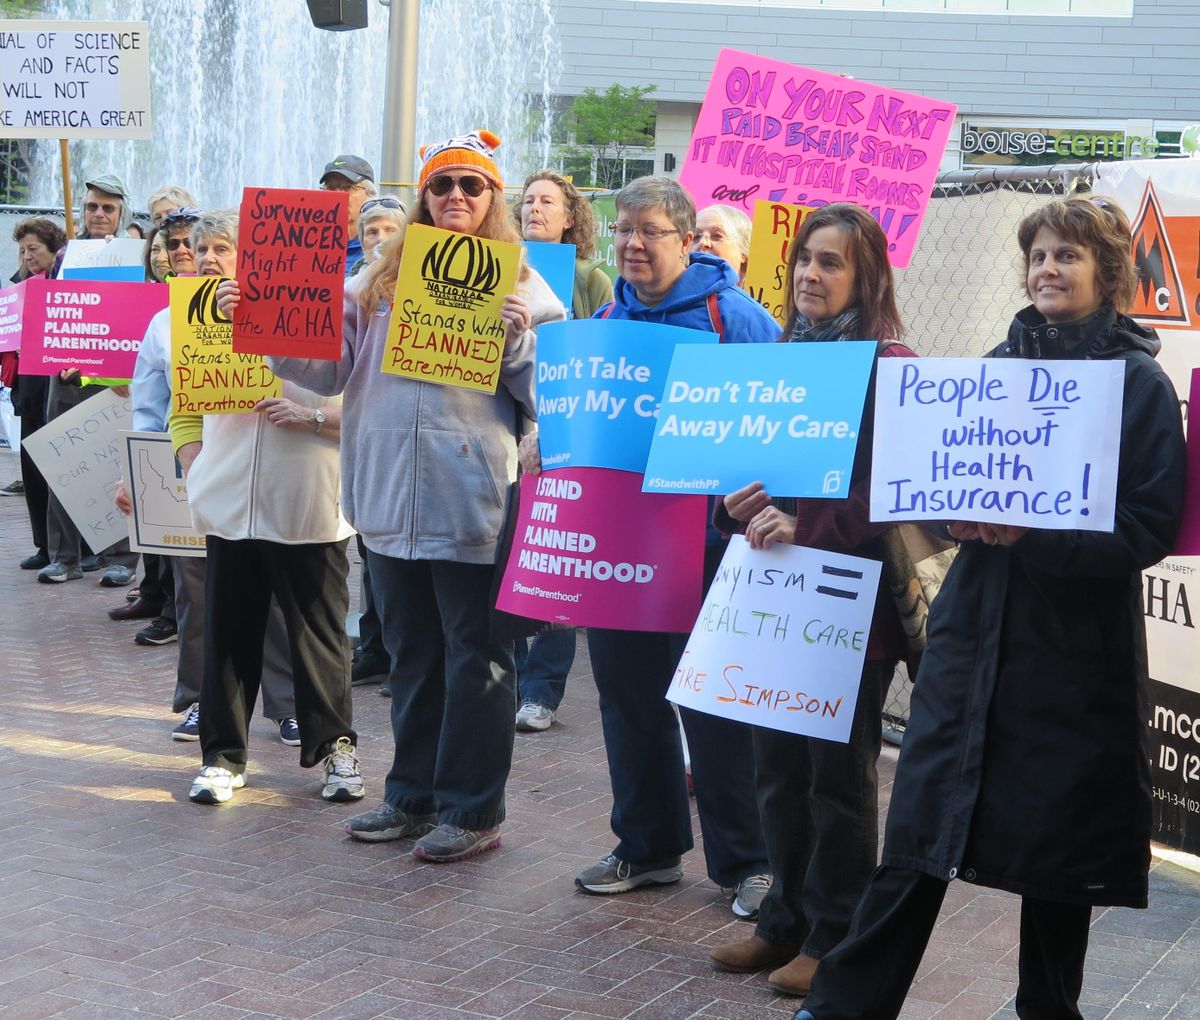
370	632
869	974
309	582
30	403
819	803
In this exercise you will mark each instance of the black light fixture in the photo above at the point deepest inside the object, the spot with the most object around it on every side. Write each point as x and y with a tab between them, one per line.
668	162
338	15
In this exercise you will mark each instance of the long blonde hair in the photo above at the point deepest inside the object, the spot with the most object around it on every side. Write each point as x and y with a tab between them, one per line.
381	275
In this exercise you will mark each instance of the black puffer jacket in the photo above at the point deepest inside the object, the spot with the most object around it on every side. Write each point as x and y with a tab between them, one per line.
1025	766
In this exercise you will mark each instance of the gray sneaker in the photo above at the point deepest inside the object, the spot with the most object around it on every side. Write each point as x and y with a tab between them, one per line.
533	718
56	573
343	778
384	823
613	875
450	843
749	894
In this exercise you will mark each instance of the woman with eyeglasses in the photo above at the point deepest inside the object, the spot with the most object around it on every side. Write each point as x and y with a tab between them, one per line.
425	472
663	281
724	231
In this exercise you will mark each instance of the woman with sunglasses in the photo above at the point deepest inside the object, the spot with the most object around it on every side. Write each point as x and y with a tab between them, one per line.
379	220
425	470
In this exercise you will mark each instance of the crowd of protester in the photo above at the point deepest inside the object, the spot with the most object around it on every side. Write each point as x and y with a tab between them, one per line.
1028	703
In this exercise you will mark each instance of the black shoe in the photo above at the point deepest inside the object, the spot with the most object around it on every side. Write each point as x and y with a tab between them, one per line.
367	670
35	562
157	632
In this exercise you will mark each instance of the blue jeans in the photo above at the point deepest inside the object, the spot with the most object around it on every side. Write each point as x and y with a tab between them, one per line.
542	667
819	802
453	690
651	814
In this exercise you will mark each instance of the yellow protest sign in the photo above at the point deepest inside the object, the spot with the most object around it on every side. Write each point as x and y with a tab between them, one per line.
446	326
207	377
772	228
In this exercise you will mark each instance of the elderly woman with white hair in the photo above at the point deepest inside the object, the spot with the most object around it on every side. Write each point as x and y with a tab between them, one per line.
724	231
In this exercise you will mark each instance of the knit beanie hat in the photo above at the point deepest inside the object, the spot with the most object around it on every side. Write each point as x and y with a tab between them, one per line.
463	152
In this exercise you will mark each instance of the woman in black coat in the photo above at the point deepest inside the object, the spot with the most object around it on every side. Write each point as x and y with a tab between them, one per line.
1025	765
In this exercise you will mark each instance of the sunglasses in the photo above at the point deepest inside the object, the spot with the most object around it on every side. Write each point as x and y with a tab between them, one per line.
173	243
470	186
382	203
108	207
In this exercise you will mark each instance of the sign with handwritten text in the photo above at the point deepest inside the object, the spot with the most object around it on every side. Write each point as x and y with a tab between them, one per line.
446	326
79	454
207	376
555	263
75	79
12	301
1188	543
773	130
592	550
599	383
780	640
774	224
93	326
786	415
997	440
291	265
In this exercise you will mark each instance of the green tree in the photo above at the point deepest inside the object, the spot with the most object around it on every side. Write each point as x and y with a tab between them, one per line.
606	125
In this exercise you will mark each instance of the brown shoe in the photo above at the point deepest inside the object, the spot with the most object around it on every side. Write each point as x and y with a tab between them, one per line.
751	954
142	609
796	977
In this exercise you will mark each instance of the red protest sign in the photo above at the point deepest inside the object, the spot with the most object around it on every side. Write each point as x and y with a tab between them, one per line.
291	271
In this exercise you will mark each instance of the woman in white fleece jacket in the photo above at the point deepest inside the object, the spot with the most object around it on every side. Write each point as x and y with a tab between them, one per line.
425	468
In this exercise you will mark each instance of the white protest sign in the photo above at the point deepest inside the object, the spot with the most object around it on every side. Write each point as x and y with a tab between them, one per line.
95	254
997	440
781	640
79	453
74	79
161	521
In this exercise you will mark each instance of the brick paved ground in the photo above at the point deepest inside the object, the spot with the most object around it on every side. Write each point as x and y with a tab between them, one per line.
120	898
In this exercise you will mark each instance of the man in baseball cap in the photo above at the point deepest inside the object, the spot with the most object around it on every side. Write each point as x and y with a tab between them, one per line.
355	176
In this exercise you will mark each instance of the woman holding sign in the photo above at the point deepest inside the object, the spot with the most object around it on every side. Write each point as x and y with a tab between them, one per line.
819	798
425	469
1026	761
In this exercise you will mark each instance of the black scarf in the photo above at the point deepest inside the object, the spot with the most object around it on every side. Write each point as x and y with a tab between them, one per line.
844	326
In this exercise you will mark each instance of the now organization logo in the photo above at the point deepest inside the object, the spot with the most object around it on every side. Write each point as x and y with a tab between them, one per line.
460	272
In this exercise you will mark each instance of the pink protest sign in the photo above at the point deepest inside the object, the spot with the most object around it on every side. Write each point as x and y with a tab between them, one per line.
11	300
91	325
592	550
776	131
1188	543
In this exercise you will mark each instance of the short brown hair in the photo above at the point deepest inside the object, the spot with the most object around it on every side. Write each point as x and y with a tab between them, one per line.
875	288
1103	230
46	231
582	231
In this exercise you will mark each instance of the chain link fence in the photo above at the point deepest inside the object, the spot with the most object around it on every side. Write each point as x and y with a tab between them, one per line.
959	293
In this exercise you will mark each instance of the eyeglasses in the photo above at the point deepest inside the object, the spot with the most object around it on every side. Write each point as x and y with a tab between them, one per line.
649	234
382	203
173	243
470	185
348	186
711	236
108	207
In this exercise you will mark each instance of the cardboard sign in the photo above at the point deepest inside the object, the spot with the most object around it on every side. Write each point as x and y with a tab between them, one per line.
554	263
786	415
772	130
207	377
74	79
599	383
86	259
291	267
90	325
774	224
781	640
161	521
79	453
446	326
12	301
592	550
997	440
1188	543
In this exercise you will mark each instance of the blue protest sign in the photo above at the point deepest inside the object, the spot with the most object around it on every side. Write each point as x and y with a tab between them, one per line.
555	263
599	382
786	415
109	274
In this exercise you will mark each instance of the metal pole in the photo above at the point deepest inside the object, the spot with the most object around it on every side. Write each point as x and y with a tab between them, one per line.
65	157
399	159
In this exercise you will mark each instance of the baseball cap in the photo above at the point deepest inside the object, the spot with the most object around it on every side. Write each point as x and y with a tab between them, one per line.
353	168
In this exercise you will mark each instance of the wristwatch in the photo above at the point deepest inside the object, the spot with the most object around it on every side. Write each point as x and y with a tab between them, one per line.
318	420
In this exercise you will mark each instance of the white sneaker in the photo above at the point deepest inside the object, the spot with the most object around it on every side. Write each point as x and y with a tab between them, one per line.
533	718
215	785
343	778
